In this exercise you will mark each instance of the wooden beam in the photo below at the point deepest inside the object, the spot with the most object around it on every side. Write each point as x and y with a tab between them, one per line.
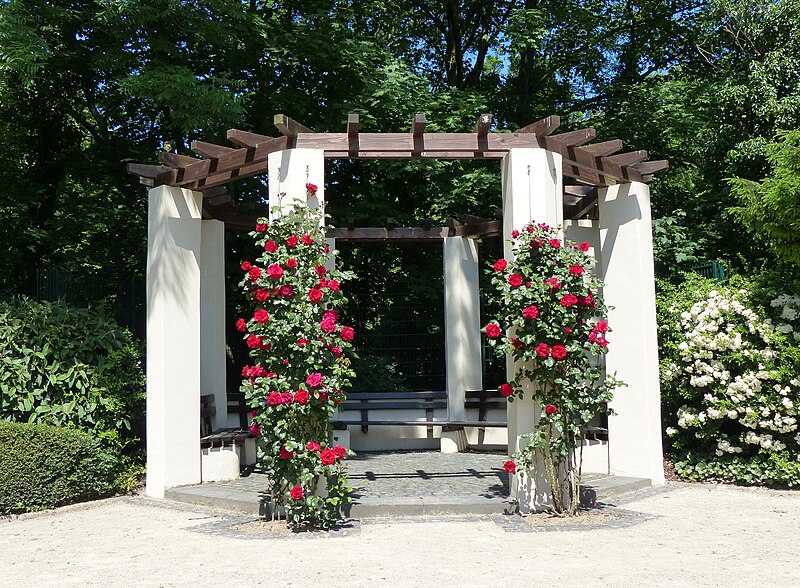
480	230
604	148
152	175
210	150
648	168
628	158
579	191
418	126
543	127
391	224
352	133
289	127
384	234
246	138
575	138
176	160
483	125
585	205
586	162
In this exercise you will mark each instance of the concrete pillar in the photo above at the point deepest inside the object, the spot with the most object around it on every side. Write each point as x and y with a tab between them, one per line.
627	269
174	230
532	190
212	321
462	322
289	172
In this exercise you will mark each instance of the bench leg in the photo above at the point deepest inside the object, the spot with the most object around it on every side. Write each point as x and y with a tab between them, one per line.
453	441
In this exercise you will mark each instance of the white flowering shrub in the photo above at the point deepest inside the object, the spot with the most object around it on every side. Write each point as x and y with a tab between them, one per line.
730	380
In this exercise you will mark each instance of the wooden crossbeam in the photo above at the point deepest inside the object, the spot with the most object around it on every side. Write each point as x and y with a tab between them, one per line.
575	138
543	127
650	167
628	158
152	175
210	150
585	161
604	148
289	127
480	230
585	206
352	132
483	125
246	138
384	234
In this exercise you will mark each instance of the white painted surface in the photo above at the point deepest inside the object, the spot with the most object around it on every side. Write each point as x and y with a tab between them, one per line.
289	172
220	463
627	263
453	441
212	320
174	229
532	190
461	322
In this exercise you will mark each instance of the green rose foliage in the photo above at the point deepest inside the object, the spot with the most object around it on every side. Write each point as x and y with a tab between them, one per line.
552	323
300	365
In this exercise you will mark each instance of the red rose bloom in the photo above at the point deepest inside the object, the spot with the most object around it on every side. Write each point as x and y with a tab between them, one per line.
550	409
347	334
569	300
246	266
254	341
274	271
261	316
254	273
328	325
241	325
292	241
586	300
602	342
301	342
601	326
270	246
253	413
291	263
301	396
255	430
286	291
286	398
314	295
554	284
285	453
515	280
333	285
307	240
314	380
567	330
337	351
312	188
536	243
321	270
516	342
514	234
584	246
261	295
296	493
339	452
510	466
257	371
261	227
530	312
559	351
554	243
327	456
500	265
492	331
312	446
542	350
576	269
274	398
506	390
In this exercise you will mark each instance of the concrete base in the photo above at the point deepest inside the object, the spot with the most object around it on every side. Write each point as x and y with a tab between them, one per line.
249	452
220	463
342	438
453	441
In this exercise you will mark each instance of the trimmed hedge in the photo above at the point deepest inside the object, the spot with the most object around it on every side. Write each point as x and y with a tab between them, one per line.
43	467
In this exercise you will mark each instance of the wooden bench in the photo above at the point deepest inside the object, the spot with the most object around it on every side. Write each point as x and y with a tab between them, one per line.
428	401
226	436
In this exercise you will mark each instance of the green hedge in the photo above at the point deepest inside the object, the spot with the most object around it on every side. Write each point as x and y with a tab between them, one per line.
43	467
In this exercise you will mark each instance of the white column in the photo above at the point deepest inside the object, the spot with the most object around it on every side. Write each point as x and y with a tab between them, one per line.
212	320
462	326
174	230
289	172
627	268
532	190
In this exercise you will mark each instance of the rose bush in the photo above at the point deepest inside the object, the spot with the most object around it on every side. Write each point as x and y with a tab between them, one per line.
730	380
553	324
300	365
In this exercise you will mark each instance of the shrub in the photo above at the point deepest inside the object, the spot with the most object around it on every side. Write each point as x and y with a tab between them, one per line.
730	380
68	366
43	467
552	321
300	366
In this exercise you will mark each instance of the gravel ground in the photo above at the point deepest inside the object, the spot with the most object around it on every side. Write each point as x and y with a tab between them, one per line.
693	535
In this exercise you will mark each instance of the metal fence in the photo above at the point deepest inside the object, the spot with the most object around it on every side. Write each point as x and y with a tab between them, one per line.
714	270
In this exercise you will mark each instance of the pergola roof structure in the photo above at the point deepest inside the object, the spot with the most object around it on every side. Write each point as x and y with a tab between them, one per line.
591	165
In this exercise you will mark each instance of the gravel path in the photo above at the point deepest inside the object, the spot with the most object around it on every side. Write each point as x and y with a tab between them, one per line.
694	535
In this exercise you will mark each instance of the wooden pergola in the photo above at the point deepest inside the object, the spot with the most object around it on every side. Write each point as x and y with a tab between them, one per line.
591	165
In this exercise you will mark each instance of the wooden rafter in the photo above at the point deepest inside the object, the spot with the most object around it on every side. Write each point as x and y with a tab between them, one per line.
594	164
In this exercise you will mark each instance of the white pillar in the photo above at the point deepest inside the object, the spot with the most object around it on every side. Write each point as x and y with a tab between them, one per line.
462	322
174	230
627	268
532	190
289	172
212	321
